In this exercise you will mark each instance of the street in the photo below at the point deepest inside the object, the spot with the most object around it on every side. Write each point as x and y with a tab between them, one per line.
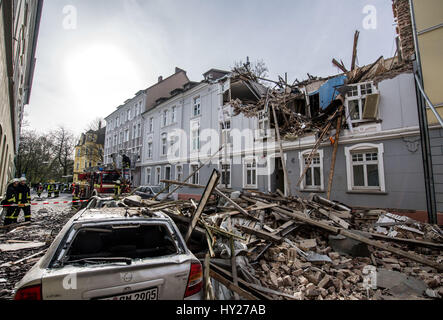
47	221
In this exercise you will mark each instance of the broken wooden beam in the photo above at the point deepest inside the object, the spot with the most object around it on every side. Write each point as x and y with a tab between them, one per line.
260	234
354	50
339	65
363	239
188	178
235	204
231	286
213	181
334	152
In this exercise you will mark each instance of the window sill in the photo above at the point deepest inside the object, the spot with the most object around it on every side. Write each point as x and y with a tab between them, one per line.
375	192
250	187
312	191
196	117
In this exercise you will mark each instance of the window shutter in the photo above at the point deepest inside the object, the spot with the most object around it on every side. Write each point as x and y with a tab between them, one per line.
371	106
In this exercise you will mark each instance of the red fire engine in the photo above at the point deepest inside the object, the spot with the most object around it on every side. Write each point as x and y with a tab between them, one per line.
100	183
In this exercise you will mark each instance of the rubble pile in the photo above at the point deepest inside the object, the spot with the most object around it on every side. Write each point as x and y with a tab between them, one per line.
22	245
315	249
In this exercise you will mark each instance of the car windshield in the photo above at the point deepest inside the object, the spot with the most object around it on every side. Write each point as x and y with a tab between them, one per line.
127	241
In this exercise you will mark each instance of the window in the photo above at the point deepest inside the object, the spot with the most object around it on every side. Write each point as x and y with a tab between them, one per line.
225	174
157	175
126	135
139	130
250	169
313	179
164	144
365	169
263	124
197	106
134	131
172	140
196	139
356	100
195	177
129	114
225	128
78	165
79	152
179	172
120	141
118	121
148	176
151	125
150	150
165	118
173	114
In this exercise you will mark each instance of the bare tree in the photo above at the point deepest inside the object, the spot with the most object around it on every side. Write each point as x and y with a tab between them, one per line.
35	158
64	144
95	124
258	68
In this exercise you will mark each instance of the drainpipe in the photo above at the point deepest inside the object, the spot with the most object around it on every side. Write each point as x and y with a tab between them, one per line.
424	128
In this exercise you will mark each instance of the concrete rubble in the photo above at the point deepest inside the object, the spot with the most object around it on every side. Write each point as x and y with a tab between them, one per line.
266	246
289	248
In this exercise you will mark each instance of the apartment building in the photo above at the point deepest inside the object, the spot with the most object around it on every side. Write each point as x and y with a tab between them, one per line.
124	133
89	151
378	163
19	28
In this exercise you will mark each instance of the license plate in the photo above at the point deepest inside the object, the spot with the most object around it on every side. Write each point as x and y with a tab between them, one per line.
150	294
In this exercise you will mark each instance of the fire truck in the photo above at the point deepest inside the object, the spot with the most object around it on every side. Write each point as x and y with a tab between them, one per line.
100	182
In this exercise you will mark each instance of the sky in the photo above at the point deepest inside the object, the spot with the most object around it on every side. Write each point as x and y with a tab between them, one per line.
92	55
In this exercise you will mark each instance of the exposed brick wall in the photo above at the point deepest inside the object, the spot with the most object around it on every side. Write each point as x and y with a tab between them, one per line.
402	16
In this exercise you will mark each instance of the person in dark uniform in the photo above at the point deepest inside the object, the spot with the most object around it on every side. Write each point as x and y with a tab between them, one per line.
76	196
24	201
117	189
11	200
56	190
49	190
39	190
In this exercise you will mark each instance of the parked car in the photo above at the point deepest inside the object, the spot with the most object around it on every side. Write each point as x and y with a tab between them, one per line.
148	192
115	254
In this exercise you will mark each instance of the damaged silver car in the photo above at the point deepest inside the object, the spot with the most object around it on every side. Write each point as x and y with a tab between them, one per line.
115	254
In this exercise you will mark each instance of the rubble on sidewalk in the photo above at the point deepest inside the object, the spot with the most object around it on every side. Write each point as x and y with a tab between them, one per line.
34	239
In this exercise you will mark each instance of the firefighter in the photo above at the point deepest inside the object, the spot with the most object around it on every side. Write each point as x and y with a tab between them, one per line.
75	196
24	201
39	190
56	190
49	190
11	200
117	189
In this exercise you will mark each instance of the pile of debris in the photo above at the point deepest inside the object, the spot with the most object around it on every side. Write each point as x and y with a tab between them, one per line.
267	246
23	244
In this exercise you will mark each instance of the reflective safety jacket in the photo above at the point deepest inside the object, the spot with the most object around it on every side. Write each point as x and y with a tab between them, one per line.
117	189
11	195
24	194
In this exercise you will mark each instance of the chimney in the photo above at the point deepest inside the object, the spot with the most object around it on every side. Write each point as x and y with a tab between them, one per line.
402	16
160	79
